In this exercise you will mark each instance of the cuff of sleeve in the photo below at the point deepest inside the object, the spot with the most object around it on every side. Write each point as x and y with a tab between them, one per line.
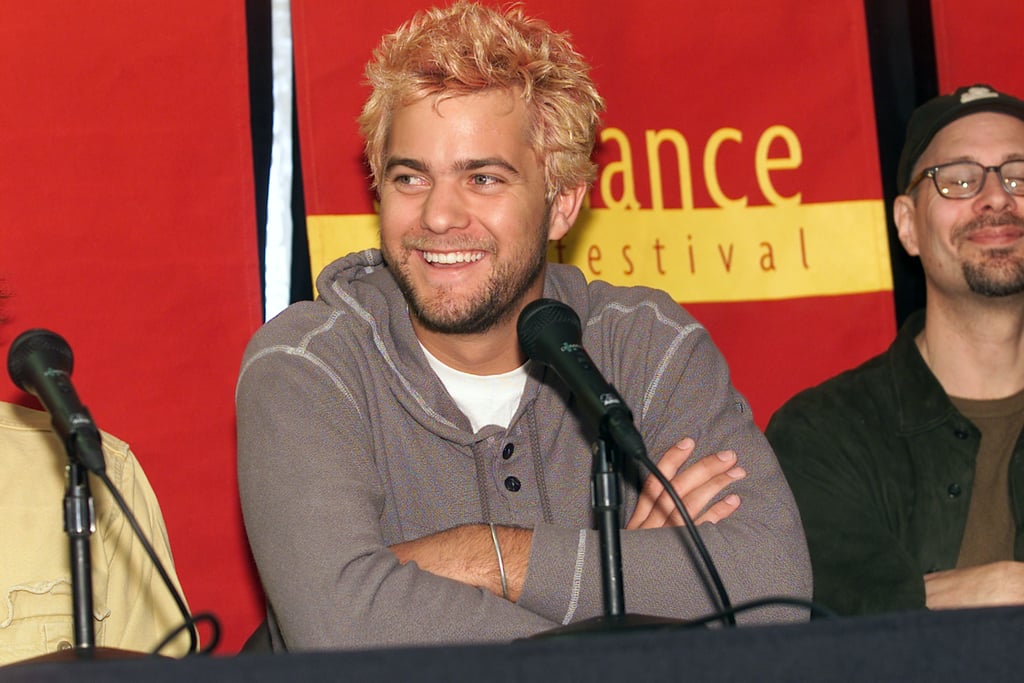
561	580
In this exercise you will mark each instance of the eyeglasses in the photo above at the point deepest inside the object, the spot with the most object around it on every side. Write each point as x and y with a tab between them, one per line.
964	179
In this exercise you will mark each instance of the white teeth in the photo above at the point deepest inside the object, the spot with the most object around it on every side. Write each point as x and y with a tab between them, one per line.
452	256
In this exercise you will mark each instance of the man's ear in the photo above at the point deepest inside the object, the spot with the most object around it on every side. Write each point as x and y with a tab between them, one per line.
565	208
903	211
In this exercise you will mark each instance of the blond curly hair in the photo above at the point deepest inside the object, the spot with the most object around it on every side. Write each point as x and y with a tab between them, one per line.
467	48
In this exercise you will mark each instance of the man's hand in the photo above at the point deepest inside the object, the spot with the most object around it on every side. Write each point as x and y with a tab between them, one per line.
696	486
987	585
467	554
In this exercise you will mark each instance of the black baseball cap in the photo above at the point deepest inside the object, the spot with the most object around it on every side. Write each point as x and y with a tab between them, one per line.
937	113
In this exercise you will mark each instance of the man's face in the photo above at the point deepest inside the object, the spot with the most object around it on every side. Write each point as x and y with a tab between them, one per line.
973	245
463	216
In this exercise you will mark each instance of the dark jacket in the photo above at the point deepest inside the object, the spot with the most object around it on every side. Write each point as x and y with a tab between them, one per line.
882	466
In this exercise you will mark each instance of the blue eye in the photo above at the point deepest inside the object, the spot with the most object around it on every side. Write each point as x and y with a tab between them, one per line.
408	180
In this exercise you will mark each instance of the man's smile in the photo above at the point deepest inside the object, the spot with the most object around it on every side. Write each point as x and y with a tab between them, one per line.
451	257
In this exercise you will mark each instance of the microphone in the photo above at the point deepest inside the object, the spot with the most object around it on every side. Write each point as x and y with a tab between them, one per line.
550	333
40	362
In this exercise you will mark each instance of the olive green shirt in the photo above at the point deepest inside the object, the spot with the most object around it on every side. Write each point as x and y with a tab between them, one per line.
882	467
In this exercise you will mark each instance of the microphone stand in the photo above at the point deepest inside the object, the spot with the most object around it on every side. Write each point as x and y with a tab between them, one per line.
79	523
606	502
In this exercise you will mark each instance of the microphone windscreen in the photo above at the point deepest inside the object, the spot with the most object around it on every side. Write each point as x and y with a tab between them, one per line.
33	347
547	319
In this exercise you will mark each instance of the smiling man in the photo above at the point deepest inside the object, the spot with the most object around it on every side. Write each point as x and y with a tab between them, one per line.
909	470
407	477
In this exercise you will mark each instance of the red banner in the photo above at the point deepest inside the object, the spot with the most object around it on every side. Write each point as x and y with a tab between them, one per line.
978	41
127	226
738	171
738	159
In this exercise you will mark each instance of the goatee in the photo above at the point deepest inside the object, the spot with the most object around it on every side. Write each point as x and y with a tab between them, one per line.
997	272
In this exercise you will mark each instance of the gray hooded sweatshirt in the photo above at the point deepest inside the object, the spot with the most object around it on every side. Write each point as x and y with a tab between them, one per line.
349	443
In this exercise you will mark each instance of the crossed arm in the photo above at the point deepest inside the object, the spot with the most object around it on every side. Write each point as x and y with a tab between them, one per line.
987	585
467	553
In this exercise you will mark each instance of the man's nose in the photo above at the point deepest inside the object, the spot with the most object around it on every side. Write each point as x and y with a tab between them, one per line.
444	209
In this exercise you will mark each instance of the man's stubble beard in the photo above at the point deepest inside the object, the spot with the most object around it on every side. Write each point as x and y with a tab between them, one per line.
989	279
485	309
998	272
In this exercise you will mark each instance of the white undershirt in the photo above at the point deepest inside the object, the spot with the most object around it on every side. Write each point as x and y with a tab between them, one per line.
485	399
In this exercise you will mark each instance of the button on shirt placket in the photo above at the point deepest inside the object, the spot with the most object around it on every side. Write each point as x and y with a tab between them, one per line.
512	483
951	487
954	489
944	472
516	480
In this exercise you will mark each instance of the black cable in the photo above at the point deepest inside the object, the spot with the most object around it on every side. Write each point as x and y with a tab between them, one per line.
727	612
213	640
189	622
816	609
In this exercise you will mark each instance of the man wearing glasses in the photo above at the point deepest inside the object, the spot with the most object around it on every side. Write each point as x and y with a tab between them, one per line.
909	470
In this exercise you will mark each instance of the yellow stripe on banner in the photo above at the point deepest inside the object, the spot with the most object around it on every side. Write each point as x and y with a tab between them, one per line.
332	236
699	255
